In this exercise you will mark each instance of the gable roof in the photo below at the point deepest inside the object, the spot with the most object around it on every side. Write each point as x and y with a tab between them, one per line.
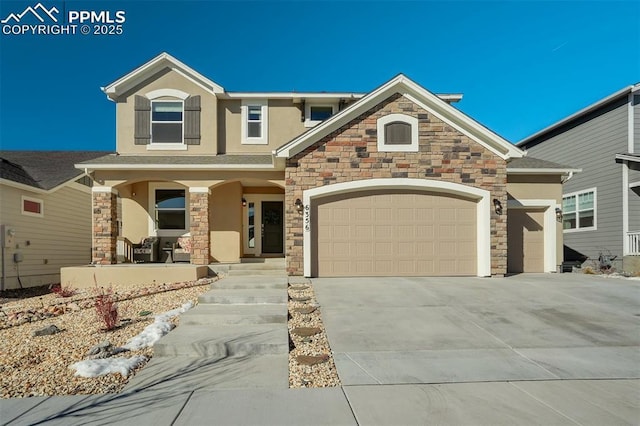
155	65
611	101
43	170
427	100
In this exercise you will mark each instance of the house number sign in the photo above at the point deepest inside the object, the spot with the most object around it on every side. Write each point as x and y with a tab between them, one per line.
307	218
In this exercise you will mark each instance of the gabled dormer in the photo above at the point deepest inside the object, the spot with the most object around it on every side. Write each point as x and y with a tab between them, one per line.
165	106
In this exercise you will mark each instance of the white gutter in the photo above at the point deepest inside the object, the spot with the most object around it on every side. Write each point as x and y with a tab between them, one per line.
533	171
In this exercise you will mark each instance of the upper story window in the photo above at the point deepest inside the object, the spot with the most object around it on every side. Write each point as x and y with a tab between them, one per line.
166	121
32	207
255	122
397	133
579	211
317	113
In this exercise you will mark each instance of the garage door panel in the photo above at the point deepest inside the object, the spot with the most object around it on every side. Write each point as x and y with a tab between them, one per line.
395	233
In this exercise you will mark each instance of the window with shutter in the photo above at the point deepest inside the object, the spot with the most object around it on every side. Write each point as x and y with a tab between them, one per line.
192	120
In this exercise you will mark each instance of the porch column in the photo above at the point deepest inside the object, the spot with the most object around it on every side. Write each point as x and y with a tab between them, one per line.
105	225
199	224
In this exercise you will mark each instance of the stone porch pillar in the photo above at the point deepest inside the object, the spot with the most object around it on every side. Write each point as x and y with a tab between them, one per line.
105	225
199	225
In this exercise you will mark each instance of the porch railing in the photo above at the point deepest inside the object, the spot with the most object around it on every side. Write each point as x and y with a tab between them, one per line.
124	250
633	243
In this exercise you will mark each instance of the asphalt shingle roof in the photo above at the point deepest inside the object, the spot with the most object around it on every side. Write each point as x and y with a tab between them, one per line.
534	163
222	159
43	169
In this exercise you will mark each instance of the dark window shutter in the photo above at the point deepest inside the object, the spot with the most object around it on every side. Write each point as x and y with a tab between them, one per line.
192	120
142	134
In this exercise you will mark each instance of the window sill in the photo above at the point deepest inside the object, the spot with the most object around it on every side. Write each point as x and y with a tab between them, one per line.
167	147
312	123
571	231
398	148
256	141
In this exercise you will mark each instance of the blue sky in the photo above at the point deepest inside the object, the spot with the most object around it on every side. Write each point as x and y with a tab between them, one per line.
520	65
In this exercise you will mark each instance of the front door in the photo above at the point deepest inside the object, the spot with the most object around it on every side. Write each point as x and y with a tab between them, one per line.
272	227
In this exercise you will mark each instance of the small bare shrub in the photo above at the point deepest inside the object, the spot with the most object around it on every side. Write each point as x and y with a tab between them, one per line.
106	306
588	270
66	291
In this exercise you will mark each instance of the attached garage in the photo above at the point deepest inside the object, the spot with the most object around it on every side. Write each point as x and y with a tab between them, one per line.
397	233
525	229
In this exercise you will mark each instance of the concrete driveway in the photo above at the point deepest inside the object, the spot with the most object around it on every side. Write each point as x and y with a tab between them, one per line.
539	339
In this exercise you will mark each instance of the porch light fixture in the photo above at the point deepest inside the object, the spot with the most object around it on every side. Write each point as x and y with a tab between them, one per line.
299	205
244	203
558	214
497	205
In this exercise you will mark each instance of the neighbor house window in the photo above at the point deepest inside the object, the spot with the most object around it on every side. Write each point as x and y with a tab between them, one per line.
32	207
316	114
166	121
254	122
397	132
171	209
579	210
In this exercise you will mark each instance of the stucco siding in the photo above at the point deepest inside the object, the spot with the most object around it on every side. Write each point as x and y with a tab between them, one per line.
284	124
62	237
592	146
125	115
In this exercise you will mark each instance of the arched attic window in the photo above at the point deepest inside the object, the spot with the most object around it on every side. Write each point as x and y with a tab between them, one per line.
397	133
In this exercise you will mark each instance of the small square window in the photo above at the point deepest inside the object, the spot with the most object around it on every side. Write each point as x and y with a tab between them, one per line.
397	133
320	113
32	207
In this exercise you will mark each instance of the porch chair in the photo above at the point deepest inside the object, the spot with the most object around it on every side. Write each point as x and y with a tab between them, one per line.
146	251
182	250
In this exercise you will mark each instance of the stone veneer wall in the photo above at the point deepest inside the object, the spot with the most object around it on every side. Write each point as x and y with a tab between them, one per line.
105	228
351	153
199	228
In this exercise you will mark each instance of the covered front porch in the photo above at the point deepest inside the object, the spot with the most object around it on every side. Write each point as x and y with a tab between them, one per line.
187	217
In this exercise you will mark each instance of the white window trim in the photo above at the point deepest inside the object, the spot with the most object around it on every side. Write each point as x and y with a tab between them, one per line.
595	210
172	93
153	186
264	138
166	146
308	122
34	200
403	118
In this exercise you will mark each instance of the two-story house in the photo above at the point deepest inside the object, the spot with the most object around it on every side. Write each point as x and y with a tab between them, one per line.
601	205
393	182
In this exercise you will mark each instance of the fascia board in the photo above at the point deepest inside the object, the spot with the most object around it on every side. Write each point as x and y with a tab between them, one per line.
161	61
534	171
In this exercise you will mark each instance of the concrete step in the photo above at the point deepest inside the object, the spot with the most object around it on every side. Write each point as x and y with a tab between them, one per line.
224	341
205	314
256	272
270	266
185	374
244	296
276	260
246	282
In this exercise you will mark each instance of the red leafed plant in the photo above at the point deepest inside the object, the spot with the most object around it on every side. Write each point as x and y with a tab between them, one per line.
60	291
106	306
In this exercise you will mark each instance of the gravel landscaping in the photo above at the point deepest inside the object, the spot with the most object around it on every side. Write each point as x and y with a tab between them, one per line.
39	365
36	363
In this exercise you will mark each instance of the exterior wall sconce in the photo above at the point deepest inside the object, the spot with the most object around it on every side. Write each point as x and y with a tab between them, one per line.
299	205
497	205
244	203
558	214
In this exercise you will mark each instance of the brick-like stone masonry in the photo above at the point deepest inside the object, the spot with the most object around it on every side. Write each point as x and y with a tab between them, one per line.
351	153
199	228
105	228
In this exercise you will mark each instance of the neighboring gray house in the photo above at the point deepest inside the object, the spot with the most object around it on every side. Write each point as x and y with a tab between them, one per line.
601	205
45	215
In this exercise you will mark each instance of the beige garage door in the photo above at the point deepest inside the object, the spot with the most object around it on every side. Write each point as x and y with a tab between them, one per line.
383	233
525	240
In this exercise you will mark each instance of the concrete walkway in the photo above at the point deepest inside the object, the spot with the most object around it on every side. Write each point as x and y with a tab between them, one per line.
549	349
